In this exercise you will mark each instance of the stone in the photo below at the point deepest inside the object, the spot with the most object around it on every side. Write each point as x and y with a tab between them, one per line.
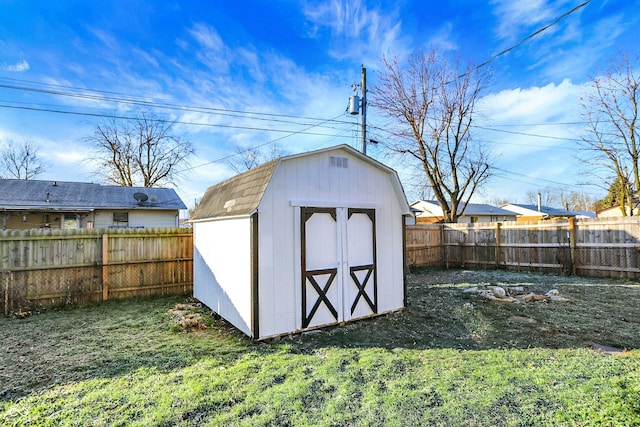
485	293
498	291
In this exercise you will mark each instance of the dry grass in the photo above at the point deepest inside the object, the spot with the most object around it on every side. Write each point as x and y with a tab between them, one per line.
441	315
450	358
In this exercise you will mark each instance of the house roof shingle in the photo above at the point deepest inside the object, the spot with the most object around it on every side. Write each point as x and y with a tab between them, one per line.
238	195
470	209
59	195
524	209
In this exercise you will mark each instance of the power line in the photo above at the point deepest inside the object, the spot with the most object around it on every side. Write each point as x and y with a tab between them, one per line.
93	94
252	148
497	130
537	178
111	116
528	134
524	40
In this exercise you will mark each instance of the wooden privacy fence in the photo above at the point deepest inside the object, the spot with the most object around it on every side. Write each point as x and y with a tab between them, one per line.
606	247
47	268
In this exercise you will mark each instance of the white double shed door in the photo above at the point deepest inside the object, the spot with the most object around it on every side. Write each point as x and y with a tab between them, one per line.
338	256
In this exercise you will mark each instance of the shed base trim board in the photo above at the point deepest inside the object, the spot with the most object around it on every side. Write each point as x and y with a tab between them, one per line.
318	328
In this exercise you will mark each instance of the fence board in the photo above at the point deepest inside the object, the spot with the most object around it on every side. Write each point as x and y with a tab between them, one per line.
46	268
423	245
598	247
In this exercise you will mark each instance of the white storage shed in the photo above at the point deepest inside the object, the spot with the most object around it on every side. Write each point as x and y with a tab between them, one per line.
301	242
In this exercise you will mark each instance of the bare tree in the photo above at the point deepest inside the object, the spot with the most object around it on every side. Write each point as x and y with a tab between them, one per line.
142	152
611	109
249	158
20	161
431	104
576	201
568	200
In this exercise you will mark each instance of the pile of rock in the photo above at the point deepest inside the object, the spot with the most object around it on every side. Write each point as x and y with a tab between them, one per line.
516	294
188	317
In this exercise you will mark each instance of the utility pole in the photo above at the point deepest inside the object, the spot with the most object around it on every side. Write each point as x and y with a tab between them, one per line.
357	104
364	110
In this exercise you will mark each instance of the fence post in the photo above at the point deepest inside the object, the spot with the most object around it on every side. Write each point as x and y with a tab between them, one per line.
105	267
572	244
498	225
6	293
444	260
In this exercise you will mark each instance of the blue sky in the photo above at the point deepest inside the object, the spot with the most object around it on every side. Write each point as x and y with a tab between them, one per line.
245	73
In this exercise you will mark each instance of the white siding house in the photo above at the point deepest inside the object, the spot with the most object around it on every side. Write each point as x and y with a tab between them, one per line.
429	211
539	212
616	212
301	242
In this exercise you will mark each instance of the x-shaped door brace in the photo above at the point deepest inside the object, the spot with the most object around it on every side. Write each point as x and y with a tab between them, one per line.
322	294
361	287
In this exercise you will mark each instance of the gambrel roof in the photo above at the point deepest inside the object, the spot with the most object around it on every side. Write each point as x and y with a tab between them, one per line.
241	194
20	194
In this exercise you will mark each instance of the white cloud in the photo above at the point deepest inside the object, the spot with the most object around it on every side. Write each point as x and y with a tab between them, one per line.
442	39
212	51
17	67
109	42
520	114
357	31
534	104
514	15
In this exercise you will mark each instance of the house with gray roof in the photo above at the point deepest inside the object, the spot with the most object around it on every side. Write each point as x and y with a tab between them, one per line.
26	204
430	212
540	212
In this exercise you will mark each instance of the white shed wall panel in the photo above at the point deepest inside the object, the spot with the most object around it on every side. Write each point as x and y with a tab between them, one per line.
222	269
390	251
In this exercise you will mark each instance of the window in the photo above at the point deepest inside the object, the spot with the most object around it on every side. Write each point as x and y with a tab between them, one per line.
474	219
70	221
121	219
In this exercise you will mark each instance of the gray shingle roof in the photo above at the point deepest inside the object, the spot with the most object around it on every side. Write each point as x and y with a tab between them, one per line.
484	209
476	209
238	195
59	195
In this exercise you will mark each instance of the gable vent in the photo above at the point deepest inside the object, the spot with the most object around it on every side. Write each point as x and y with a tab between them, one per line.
338	162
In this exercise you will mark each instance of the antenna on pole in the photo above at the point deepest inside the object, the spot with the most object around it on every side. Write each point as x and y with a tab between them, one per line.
357	103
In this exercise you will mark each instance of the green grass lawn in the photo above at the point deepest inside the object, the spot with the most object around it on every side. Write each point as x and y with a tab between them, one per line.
449	359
